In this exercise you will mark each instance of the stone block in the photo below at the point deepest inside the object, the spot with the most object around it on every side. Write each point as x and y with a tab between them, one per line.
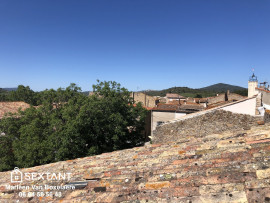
261	183
221	188
262	174
157	185
239	197
258	195
185	191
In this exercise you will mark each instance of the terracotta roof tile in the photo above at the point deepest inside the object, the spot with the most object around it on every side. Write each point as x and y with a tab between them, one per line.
192	106
178	107
175	96
261	89
203	100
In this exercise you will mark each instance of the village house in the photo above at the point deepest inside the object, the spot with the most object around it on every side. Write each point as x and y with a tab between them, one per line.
262	90
174	97
176	108
265	97
202	101
166	112
146	100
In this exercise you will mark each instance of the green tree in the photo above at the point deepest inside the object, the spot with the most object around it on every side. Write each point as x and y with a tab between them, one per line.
23	94
198	96
3	95
112	121
68	125
7	156
243	92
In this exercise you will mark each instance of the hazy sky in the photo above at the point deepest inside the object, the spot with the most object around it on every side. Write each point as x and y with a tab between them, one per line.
142	44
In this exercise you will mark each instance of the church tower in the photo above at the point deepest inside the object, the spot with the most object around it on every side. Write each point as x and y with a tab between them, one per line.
252	84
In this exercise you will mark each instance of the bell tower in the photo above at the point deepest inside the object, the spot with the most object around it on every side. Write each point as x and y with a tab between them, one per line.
252	84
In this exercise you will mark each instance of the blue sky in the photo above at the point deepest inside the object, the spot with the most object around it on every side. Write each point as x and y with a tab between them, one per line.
142	44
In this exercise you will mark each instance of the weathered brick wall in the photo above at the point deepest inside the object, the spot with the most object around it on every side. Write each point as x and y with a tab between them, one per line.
267	116
215	121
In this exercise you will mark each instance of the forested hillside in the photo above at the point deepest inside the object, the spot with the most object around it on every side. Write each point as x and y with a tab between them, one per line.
200	92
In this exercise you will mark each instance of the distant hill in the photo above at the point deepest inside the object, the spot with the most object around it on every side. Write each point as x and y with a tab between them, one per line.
6	90
9	89
209	91
221	87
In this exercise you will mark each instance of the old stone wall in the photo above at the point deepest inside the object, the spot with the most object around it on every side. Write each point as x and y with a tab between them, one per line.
211	122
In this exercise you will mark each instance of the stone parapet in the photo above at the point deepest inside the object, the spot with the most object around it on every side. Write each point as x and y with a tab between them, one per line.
204	123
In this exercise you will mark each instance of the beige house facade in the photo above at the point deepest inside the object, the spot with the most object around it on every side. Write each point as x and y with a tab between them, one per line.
146	100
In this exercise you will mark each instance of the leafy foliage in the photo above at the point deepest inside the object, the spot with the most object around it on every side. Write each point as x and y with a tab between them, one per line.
243	92
27	95
22	93
198	96
69	125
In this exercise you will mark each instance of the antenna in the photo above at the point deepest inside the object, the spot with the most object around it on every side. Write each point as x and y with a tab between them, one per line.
267	87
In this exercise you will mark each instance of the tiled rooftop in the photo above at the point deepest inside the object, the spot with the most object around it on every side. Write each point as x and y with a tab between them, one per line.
210	106
171	95
192	107
228	167
179	107
262	89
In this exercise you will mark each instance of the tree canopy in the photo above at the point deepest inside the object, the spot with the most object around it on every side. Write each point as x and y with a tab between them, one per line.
68	125
22	93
